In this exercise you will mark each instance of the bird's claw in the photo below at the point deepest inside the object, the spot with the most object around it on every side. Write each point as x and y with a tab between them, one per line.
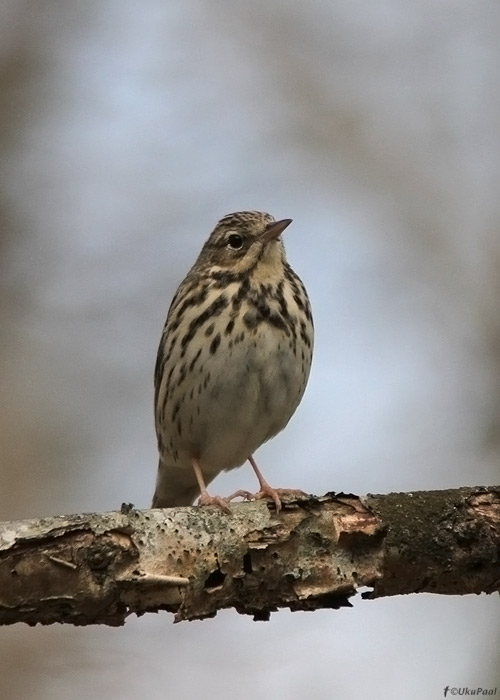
241	493
276	495
206	499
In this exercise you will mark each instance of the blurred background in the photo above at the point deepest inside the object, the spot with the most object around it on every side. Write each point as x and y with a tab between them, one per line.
127	130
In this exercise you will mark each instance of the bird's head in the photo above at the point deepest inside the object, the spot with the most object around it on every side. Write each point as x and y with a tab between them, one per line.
245	242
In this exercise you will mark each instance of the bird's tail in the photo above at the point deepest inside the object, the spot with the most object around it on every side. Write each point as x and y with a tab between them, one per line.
175	486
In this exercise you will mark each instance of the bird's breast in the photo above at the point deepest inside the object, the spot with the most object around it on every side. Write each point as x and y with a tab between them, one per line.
240	379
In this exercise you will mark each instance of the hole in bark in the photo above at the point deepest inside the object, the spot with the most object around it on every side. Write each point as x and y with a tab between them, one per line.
215	579
247	563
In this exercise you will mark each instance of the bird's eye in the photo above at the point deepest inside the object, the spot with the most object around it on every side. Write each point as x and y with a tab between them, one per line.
235	241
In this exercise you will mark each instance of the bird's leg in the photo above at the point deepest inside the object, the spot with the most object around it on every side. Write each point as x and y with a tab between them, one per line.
205	498
267	491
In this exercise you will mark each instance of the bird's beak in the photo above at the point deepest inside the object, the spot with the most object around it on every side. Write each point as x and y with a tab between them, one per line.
275	229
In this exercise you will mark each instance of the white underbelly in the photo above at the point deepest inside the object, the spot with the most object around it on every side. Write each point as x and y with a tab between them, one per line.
251	393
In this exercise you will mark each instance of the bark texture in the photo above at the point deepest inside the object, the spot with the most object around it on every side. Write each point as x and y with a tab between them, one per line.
316	553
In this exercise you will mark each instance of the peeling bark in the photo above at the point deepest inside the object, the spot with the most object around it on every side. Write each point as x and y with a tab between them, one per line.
314	554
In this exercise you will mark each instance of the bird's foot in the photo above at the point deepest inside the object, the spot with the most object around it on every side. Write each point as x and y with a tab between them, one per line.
241	493
276	495
206	499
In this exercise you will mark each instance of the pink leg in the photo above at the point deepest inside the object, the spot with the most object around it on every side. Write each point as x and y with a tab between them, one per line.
267	491
205	498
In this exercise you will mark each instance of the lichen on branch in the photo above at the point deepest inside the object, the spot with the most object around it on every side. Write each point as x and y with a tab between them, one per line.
315	554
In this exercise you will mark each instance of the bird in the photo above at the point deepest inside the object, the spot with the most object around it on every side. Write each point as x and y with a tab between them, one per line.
233	361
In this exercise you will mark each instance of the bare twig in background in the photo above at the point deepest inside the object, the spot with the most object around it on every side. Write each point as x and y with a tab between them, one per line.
99	568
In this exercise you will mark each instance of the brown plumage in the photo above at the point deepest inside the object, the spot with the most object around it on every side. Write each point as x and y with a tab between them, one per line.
233	360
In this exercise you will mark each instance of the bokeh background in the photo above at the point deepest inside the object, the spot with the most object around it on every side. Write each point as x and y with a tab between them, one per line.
127	130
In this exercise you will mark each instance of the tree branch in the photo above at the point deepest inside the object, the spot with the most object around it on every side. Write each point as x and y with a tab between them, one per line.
99	568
